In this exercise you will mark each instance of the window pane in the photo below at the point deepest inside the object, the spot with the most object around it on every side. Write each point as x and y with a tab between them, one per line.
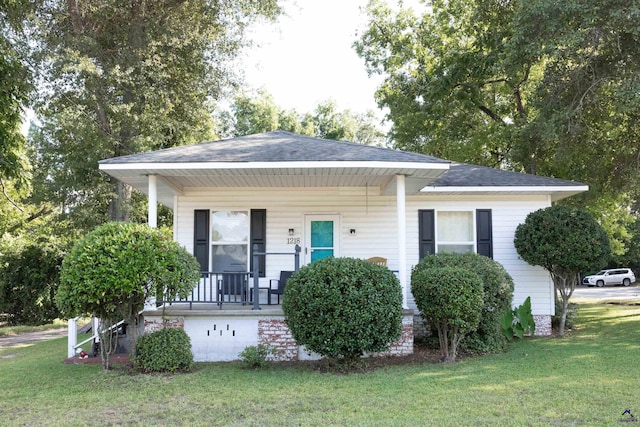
455	249
230	226
229	258
455	226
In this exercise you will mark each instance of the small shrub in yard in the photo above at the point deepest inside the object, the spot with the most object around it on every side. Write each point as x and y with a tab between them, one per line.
497	294
450	299
343	307
255	356
166	350
519	321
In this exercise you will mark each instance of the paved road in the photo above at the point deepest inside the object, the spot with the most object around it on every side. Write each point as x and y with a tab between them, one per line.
31	337
608	292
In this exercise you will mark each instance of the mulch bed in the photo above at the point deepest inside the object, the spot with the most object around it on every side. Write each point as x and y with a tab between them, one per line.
116	359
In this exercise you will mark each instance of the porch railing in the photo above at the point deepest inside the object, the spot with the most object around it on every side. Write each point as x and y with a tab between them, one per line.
230	287
72	334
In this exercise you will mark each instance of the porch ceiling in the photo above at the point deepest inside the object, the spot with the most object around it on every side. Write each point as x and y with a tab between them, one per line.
173	180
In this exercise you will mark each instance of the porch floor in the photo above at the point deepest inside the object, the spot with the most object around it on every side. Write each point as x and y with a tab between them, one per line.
208	309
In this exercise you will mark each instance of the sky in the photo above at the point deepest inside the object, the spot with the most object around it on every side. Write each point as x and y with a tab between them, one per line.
307	57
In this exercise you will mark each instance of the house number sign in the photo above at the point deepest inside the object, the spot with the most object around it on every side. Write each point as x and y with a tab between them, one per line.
293	241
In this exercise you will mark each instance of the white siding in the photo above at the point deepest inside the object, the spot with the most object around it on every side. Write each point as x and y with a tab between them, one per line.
374	218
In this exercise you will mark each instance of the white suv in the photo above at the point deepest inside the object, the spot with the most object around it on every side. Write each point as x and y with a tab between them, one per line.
616	276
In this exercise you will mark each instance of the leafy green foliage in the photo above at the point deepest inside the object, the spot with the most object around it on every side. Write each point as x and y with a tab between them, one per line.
526	83
255	356
29	277
16	90
123	80
450	299
497	295
261	114
564	241
565	237
117	267
343	307
519	321
165	350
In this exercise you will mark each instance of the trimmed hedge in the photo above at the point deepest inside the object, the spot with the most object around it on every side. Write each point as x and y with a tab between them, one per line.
450	299
497	294
343	307
166	350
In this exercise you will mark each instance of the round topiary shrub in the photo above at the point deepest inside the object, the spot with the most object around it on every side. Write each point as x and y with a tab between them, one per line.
343	307
165	350
450	299
497	294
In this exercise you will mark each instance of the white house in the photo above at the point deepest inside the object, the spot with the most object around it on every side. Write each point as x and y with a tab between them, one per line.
277	190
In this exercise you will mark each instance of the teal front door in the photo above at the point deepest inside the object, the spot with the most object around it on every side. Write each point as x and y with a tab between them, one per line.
321	237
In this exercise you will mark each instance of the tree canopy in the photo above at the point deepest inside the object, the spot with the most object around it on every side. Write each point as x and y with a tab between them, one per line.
124	79
545	87
260	113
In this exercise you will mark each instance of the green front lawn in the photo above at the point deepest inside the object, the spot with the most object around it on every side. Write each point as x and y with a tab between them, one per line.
6	331
588	378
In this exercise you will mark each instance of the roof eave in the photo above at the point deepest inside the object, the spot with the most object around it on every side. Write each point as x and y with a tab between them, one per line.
555	192
274	165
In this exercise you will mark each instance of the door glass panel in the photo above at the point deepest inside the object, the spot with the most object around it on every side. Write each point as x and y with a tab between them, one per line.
317	254
322	239
322	234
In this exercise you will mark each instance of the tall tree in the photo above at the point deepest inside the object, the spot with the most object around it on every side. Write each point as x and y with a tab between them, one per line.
16	88
541	86
14	91
249	115
122	79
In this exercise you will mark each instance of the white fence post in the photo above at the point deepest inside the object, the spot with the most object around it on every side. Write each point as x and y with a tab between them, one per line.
72	337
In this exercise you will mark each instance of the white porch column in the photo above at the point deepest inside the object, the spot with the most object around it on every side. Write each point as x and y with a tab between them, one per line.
153	201
72	336
402	236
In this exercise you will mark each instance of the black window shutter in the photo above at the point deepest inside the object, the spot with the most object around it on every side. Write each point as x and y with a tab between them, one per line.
484	232
426	232
259	237
201	237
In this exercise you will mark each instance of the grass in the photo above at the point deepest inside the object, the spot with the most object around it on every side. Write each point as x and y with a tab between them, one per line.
16	330
588	378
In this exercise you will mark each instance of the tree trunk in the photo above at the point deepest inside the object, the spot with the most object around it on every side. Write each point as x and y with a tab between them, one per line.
108	341
563	317
120	204
453	350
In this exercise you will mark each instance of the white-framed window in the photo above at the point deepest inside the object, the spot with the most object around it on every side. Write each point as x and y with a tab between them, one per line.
229	241
455	231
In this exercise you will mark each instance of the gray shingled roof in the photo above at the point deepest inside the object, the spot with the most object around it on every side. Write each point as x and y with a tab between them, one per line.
278	146
465	175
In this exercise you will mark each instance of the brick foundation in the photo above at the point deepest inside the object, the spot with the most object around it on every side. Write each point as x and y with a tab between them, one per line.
543	325
276	333
155	325
404	346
